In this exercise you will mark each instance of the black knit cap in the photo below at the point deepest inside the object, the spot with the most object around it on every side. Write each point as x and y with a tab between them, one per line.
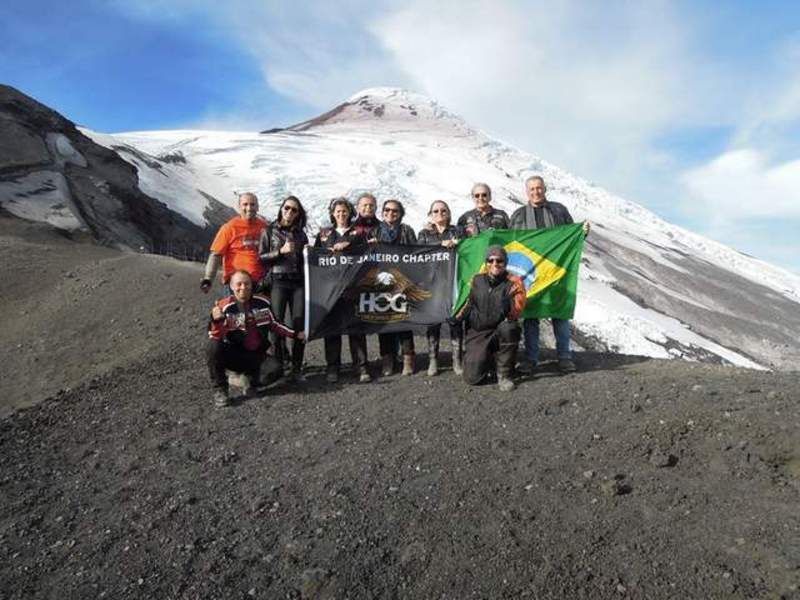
497	250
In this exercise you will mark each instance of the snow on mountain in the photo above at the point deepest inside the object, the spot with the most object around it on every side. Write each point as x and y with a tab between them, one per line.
648	287
167	178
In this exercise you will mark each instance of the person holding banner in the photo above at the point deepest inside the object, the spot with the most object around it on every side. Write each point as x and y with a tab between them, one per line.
366	225
342	236
484	216
495	302
392	230
439	232
366	222
383	289
237	336
281	252
541	213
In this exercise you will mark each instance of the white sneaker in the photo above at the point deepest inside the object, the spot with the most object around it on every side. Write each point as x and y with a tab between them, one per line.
433	367
504	383
221	398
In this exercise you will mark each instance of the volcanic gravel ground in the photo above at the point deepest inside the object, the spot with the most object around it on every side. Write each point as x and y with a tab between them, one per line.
649	479
632	478
71	311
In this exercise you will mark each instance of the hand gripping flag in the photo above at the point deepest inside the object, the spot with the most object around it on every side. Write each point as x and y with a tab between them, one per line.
547	261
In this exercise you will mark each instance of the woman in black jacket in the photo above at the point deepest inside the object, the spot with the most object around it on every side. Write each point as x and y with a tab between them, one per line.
341	236
281	252
440	232
392	230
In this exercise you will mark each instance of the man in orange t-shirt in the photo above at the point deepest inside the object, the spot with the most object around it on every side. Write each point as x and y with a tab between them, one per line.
236	244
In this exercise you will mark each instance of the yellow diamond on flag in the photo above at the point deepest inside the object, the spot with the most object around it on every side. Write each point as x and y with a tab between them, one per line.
536	271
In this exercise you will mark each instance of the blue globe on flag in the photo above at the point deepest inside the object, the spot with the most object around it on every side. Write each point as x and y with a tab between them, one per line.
521	265
536	271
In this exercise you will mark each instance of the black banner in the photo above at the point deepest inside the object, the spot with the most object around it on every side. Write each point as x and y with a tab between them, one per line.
385	288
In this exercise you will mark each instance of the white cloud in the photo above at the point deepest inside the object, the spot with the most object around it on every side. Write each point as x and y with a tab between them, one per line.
757	177
316	53
742	184
770	114
552	79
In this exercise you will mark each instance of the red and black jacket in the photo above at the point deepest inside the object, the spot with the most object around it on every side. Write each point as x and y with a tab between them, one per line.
235	324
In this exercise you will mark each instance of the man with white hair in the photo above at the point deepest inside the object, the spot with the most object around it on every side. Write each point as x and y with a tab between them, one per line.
541	213
484	216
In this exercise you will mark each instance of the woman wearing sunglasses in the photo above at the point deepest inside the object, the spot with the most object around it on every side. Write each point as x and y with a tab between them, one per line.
281	252
440	232
340	237
392	230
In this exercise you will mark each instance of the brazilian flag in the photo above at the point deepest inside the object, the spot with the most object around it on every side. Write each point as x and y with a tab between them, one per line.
547	261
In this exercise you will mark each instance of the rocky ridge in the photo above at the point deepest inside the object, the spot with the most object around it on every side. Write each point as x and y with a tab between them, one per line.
50	171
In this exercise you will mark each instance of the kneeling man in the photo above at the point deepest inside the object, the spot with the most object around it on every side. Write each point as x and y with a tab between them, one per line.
495	302
238	336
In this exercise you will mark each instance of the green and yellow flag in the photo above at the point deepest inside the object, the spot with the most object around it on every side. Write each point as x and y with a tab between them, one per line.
547	261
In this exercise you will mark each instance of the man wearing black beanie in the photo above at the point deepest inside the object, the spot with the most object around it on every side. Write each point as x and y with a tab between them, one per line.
495	303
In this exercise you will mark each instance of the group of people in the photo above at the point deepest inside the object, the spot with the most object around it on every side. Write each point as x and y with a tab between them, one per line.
263	281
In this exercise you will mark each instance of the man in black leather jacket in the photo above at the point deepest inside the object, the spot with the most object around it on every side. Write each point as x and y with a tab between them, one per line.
484	216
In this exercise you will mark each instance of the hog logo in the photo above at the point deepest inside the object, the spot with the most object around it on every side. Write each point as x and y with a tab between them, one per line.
385	295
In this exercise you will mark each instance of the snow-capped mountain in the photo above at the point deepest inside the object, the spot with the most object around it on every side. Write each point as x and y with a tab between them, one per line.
647	287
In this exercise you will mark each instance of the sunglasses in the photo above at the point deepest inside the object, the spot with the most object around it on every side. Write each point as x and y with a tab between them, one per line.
480	195
291	208
440	210
391	210
495	261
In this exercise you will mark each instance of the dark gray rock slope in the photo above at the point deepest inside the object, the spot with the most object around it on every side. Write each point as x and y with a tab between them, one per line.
101	189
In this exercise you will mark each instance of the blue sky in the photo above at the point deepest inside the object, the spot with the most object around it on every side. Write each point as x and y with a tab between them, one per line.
689	108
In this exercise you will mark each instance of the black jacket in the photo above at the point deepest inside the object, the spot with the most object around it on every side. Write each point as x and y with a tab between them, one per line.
473	222
493	300
282	266
430	236
328	236
555	213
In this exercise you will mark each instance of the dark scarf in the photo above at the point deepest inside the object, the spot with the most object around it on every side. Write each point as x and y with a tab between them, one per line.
389	233
530	217
495	281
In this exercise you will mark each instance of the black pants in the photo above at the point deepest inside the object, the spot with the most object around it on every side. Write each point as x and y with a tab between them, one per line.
434	335
289	294
490	349
358	351
388	342
221	356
